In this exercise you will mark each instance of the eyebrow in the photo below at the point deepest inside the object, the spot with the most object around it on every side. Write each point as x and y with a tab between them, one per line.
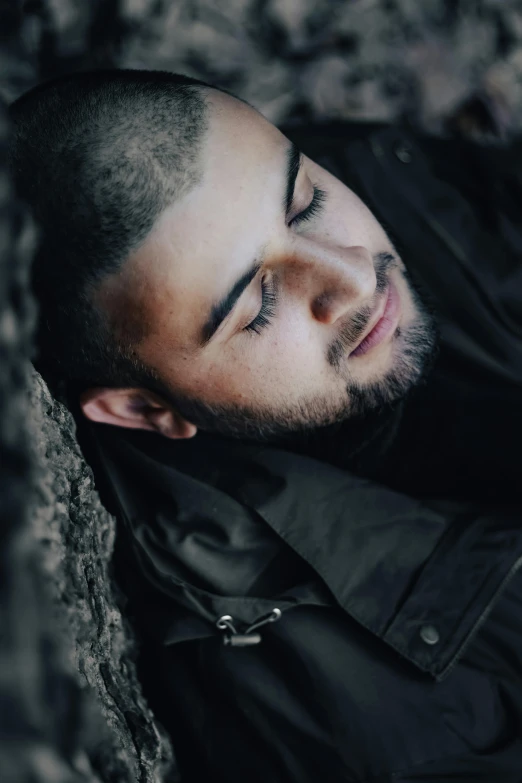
222	309
294	161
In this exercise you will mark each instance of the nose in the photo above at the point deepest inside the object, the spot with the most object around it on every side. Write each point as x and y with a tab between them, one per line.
336	280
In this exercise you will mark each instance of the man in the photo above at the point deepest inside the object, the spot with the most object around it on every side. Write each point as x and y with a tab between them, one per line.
320	539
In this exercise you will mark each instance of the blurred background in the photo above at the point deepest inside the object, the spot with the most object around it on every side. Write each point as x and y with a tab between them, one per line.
299	59
71	707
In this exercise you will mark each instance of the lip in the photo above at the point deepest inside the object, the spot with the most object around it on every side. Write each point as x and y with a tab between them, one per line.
384	325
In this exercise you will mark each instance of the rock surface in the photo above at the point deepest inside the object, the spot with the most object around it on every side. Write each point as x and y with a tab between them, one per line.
71	707
74	535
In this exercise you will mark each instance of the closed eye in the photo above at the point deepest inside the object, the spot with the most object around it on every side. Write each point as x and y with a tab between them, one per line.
268	306
313	209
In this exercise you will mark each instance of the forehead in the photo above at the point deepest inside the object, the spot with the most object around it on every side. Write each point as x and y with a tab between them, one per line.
206	240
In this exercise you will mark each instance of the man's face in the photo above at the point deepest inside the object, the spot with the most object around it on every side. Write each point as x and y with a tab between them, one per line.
258	288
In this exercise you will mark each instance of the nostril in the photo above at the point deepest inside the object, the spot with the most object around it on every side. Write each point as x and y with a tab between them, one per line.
324	307
329	306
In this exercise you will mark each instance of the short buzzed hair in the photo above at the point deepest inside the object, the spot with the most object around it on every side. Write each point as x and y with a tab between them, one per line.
98	156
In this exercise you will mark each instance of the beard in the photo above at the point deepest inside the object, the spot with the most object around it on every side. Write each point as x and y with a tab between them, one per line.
416	351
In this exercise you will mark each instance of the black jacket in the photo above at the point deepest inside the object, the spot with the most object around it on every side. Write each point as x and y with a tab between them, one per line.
386	581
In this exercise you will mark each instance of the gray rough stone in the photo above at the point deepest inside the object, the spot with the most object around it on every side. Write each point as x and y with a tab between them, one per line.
75	536
71	707
37	693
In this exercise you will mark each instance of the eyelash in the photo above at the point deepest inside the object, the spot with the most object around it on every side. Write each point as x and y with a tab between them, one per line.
267	309
268	289
314	207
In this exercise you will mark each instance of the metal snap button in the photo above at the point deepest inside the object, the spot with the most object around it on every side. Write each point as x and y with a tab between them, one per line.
403	153
429	634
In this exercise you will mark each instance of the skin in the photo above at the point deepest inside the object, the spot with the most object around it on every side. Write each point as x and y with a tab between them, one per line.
323	271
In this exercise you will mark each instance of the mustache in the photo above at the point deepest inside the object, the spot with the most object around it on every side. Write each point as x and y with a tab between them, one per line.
351	331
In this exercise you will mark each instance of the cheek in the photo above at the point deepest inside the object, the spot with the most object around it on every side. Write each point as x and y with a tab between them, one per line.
347	218
353	224
285	361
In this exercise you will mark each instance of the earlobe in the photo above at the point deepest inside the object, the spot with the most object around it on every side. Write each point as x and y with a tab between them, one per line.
135	409
170	424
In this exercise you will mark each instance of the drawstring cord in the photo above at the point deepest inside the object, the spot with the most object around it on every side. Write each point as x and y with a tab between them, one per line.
248	638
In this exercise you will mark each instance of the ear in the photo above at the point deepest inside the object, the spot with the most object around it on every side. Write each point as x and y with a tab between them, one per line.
135	409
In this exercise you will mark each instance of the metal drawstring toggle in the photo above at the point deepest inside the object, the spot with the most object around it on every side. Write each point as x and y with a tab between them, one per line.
248	638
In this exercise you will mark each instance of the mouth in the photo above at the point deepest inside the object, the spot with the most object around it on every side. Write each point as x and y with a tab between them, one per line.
384	324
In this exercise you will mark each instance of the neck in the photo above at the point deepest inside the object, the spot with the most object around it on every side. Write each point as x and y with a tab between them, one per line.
359	444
